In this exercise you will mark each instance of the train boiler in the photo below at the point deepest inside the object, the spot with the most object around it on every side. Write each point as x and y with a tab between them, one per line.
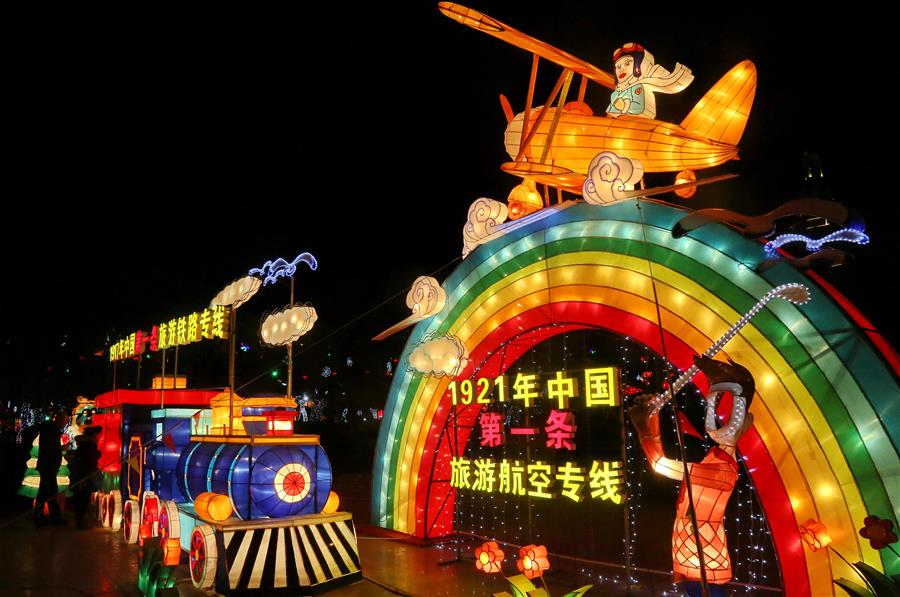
226	480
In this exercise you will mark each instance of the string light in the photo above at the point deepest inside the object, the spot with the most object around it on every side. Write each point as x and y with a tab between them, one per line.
272	270
849	235
522	521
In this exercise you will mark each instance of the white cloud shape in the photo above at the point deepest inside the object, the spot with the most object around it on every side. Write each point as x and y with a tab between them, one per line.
237	293
283	327
484	215
609	176
426	297
442	356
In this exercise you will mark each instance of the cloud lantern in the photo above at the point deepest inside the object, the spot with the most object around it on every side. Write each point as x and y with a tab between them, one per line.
483	218
442	356
283	327
237	293
609	177
425	299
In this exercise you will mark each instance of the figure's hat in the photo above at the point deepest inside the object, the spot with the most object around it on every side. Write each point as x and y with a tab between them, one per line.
629	48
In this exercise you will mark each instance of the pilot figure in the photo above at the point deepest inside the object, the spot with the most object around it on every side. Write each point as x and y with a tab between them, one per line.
638	78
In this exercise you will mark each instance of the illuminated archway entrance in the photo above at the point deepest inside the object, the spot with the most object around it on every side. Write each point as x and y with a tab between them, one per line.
824	442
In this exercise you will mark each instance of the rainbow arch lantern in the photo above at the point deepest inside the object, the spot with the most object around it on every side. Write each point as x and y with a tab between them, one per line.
826	415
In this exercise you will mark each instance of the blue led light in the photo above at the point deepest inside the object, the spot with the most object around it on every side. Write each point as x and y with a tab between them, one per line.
850	235
272	270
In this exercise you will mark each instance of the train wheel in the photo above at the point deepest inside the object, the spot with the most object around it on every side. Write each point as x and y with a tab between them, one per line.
104	506
150	512
170	532
131	521
98	505
114	510
203	556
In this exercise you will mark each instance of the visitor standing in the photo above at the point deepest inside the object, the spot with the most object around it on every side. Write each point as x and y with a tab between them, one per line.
48	463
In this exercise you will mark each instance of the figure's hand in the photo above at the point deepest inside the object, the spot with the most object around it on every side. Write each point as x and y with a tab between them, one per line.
641	414
619	105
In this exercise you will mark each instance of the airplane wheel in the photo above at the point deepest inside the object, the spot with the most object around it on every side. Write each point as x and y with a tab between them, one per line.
131	521
203	556
688	178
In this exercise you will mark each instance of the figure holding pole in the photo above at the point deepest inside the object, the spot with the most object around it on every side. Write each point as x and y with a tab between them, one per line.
706	485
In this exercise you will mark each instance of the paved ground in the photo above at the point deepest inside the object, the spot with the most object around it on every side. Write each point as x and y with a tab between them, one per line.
66	562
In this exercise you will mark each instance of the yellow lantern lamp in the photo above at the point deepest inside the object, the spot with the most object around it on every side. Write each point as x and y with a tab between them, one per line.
171	551
213	506
332	503
524	199
220	416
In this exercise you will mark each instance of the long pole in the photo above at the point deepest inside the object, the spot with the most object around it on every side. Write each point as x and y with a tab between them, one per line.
231	343
162	389
290	351
686	473
175	373
626	518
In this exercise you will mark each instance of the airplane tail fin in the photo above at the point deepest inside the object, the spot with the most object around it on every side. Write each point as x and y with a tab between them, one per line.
721	114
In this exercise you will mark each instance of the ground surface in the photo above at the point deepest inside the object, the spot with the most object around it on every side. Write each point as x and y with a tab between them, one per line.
66	562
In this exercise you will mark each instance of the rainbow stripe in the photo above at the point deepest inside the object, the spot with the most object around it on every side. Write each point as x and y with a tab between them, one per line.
827	420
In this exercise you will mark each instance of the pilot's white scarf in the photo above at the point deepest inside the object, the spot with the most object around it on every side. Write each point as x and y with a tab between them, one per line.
655	78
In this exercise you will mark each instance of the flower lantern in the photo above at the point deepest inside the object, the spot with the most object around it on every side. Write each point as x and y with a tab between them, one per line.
533	561
814	534
489	557
878	532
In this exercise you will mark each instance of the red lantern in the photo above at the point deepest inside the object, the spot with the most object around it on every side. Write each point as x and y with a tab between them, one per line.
489	557
815	535
533	561
878	532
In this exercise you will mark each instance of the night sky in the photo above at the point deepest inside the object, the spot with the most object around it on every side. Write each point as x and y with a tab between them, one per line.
157	157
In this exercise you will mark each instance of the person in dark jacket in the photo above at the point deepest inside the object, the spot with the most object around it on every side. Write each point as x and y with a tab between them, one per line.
83	472
48	463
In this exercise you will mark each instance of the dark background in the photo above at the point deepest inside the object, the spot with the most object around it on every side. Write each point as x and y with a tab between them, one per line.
159	154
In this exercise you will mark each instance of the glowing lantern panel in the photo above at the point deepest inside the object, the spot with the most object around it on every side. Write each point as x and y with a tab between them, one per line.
280	480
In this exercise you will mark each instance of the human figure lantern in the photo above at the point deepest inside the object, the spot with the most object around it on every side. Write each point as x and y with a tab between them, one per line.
638	78
553	143
712	479
706	485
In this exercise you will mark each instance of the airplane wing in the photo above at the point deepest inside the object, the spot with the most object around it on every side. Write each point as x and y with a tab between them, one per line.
398	327
670	188
482	22
548	174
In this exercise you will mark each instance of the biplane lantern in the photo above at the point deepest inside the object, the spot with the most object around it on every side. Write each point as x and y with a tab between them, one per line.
554	145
